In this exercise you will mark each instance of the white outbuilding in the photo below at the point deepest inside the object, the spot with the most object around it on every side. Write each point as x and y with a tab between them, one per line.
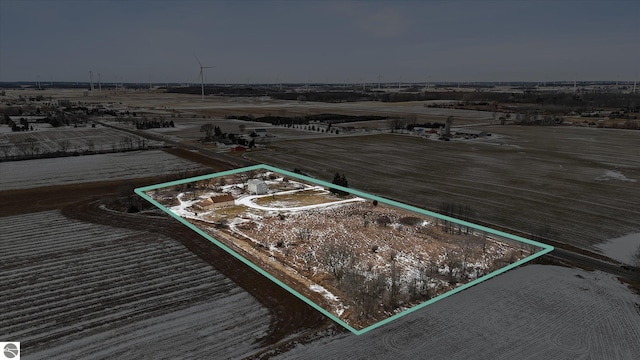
257	187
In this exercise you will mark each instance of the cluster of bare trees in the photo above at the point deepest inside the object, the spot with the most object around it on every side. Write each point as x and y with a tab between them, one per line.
128	143
29	147
32	147
373	291
457	211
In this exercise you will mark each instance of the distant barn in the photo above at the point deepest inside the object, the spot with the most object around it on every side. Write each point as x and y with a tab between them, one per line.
258	187
260	132
470	132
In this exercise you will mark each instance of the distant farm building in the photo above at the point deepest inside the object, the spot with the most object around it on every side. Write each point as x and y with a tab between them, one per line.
260	132
257	187
470	133
215	202
423	130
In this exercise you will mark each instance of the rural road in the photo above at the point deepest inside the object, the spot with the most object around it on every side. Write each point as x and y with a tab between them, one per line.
218	156
590	262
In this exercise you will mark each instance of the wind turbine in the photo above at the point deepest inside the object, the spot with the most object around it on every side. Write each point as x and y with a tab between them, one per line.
202	74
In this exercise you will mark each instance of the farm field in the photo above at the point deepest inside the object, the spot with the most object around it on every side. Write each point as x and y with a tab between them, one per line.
369	261
68	139
95	283
89	290
188	130
76	169
159	103
574	185
533	312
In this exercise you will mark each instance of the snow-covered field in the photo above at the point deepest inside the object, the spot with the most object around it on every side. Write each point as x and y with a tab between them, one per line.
534	312
568	184
69	139
621	248
92	291
78	290
613	175
77	169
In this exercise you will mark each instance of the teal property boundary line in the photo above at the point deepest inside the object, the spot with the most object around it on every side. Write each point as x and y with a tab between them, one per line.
544	247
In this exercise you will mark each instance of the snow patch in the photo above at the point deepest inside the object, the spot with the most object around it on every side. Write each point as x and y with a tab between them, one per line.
339	308
621	248
613	175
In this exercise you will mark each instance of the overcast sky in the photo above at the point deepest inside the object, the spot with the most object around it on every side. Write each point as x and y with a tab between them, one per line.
319	41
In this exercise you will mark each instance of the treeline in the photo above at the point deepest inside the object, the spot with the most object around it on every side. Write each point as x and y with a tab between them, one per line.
325	96
582	98
55	120
222	90
304	120
214	133
429	125
626	102
153	124
30	148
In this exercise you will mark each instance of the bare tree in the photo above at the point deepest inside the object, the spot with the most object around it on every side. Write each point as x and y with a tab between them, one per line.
64	146
208	130
32	147
142	142
6	150
411	120
126	143
337	258
394	287
452	260
396	123
467	249
309	259
304	234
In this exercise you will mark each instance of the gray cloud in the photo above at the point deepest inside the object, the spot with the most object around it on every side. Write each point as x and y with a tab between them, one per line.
320	41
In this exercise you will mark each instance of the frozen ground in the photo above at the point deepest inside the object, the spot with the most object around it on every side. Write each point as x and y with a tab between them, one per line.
613	175
534	312
87	168
536	180
76	290
425	262
621	248
50	140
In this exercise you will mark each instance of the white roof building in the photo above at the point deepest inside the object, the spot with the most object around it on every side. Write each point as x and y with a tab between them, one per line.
258	187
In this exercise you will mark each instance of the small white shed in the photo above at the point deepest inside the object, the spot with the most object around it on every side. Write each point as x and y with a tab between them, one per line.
257	187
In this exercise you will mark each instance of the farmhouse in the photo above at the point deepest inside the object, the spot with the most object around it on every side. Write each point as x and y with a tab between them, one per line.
258	187
215	202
